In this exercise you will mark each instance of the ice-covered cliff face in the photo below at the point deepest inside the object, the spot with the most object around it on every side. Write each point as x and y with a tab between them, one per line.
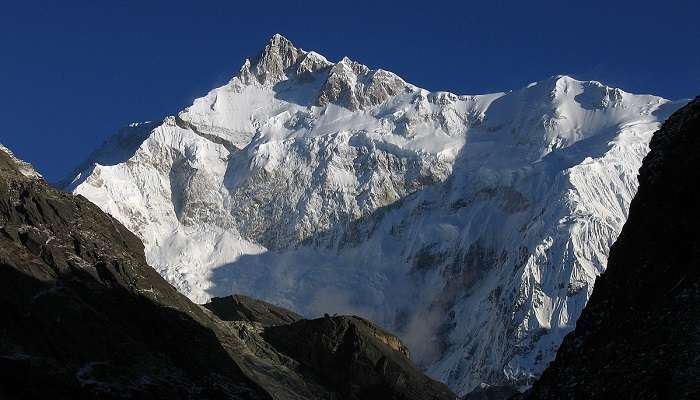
474	226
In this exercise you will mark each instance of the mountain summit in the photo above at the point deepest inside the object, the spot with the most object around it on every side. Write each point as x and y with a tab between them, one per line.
273	62
473	225
347	83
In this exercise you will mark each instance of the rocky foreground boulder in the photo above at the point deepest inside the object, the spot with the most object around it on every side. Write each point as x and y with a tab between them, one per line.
639	335
84	316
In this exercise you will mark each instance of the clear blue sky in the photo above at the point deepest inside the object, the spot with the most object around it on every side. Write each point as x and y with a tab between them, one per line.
71	73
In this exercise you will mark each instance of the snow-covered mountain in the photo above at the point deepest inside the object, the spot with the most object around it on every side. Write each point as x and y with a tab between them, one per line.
473	226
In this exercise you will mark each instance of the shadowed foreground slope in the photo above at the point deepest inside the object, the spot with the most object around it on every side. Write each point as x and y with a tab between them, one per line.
639	335
84	316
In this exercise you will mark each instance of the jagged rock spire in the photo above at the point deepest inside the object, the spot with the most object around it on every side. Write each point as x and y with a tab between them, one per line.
348	83
355	86
271	63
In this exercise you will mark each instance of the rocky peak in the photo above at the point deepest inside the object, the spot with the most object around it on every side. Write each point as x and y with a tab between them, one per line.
354	86
346	66
271	64
347	83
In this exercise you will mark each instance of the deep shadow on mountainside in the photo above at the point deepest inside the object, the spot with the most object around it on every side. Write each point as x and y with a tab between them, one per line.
639	335
83	316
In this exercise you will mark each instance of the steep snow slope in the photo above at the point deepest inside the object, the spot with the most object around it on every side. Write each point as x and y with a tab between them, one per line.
639	335
474	226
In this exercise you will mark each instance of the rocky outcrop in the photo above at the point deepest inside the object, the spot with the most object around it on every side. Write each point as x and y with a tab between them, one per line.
337	348
84	316
270	65
639	335
354	86
244	308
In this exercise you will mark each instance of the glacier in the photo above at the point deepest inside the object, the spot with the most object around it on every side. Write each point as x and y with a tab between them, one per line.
474	226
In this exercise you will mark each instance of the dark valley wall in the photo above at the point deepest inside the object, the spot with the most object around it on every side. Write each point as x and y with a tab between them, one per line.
84	316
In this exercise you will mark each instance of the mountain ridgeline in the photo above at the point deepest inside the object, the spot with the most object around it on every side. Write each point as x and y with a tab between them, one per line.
84	316
473	226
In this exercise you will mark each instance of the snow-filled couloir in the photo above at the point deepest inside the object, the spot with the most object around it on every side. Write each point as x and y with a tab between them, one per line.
473	226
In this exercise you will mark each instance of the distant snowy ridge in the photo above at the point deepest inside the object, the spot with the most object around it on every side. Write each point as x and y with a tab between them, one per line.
474	226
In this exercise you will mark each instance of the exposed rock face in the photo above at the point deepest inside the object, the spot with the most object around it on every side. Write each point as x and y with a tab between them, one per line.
473	226
348	83
354	86
14	163
273	61
336	348
244	308
84	316
639	335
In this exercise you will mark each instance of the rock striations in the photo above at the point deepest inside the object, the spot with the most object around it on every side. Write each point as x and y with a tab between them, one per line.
473	226
84	317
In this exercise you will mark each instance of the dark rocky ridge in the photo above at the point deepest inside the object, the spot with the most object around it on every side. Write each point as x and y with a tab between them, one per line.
491	393
84	316
347	353
243	308
336	348
639	335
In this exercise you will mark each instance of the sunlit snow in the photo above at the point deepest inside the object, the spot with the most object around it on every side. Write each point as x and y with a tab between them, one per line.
473	226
